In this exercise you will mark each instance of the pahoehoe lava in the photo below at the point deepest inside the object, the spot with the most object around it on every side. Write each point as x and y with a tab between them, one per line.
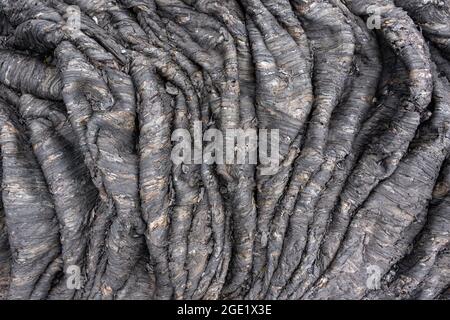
92	205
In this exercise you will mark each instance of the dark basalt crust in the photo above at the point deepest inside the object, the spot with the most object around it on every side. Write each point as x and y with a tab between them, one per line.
91	92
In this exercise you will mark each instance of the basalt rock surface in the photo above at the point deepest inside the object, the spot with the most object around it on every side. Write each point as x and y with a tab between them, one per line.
93	206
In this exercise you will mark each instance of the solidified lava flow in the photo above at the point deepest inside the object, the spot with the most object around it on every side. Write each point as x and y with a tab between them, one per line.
225	149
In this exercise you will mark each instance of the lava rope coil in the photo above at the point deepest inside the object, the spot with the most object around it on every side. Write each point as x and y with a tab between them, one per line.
225	149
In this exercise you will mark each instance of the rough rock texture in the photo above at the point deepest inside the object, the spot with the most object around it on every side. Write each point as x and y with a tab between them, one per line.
93	206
